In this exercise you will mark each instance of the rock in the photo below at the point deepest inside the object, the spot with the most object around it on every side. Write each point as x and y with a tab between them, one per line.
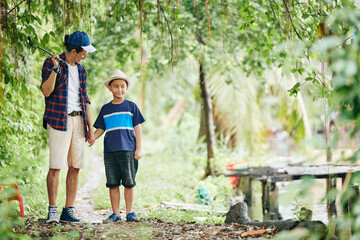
238	213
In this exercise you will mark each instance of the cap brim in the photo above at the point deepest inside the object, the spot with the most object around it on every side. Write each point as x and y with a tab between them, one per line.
89	48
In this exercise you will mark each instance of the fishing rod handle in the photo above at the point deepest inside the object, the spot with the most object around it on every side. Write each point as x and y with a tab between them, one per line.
60	60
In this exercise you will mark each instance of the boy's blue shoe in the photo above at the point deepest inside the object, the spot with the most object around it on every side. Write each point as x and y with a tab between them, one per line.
112	218
68	216
131	217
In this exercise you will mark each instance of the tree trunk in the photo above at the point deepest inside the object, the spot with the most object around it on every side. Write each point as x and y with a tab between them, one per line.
209	122
143	77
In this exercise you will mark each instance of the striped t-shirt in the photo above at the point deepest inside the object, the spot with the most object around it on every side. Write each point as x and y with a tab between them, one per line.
119	120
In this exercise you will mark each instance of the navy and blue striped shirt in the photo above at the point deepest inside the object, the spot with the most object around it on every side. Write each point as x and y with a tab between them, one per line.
119	120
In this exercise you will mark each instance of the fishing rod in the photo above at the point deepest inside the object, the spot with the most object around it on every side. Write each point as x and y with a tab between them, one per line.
45	51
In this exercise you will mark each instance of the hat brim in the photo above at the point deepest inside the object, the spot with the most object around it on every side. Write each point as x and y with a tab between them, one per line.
89	48
117	78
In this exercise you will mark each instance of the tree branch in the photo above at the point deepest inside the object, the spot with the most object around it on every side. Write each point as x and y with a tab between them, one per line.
171	37
12	9
275	16
292	24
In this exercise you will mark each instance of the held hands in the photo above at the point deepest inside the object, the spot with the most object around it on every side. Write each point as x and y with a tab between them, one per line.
94	135
91	138
138	154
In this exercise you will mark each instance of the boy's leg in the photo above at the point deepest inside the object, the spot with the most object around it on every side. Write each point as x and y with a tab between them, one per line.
52	185
71	186
115	200
129	195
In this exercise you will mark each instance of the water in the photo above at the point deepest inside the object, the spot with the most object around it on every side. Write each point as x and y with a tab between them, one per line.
313	200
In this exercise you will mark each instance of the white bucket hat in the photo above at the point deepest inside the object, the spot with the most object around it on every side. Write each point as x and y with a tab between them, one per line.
115	75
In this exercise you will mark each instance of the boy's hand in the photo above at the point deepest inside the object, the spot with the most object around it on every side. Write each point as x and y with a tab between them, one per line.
91	142
91	138
138	154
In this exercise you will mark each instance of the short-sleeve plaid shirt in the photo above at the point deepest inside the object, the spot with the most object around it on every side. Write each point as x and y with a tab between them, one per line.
56	104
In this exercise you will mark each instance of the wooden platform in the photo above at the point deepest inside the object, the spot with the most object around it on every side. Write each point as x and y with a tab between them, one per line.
270	175
282	172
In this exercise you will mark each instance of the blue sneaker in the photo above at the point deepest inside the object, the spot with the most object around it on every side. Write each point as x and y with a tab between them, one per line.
131	217
68	216
112	218
53	215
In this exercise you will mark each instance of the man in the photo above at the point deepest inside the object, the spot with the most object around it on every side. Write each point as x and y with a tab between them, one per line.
67	120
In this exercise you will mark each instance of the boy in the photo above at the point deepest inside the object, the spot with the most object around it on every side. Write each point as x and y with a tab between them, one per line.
121	119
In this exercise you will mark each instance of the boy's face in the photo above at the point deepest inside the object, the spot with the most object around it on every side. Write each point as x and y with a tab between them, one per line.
118	88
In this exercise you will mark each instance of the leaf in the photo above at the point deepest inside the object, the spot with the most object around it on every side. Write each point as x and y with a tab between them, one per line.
38	20
24	89
294	70
57	49
301	70
45	39
29	30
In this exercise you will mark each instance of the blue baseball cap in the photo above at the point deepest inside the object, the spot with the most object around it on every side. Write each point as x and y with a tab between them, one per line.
81	39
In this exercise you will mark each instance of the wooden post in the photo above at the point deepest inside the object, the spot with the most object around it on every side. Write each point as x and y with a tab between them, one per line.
247	191
274	206
270	195
331	204
265	199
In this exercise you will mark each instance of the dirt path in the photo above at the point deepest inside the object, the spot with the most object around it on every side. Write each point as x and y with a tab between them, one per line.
83	203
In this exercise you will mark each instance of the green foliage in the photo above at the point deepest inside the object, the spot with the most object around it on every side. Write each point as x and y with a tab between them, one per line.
301	213
9	218
238	42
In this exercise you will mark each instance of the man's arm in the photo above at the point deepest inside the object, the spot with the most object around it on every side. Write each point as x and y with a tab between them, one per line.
90	138
49	85
138	137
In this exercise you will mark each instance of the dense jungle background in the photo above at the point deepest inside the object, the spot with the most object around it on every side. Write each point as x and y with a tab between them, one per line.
218	82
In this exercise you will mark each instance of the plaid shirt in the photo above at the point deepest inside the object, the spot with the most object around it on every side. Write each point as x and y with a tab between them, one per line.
56	104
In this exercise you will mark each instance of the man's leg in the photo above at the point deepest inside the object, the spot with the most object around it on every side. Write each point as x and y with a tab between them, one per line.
129	194
68	213
71	186
52	185
115	200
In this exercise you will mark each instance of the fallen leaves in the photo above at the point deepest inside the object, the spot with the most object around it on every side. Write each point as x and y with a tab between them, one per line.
154	228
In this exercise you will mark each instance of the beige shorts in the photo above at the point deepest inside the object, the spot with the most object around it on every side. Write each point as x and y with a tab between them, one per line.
67	147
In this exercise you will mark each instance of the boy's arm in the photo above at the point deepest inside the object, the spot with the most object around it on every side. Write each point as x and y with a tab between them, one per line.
138	153
97	134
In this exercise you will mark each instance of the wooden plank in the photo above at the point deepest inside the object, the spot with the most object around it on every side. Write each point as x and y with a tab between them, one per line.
288	173
192	207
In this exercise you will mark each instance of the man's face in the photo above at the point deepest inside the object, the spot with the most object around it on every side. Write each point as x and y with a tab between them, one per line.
80	56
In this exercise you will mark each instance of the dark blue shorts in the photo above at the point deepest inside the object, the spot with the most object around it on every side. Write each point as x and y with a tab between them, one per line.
120	169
